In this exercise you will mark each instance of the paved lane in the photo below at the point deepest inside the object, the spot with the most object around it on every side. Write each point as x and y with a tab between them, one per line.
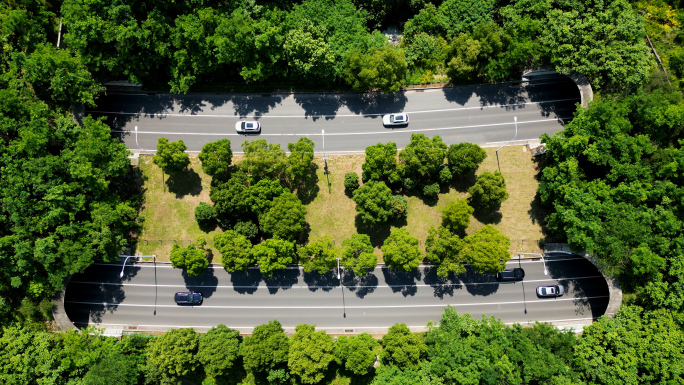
352	121
246	299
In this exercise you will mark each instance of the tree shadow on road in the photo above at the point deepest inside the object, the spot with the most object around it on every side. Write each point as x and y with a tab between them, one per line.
361	286
247	281
282	279
205	283
483	284
441	286
326	281
402	281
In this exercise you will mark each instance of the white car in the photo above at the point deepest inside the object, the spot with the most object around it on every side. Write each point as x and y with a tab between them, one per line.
550	291
246	126
395	119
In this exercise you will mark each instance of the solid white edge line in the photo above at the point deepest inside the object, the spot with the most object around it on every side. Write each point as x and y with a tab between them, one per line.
107	304
324	116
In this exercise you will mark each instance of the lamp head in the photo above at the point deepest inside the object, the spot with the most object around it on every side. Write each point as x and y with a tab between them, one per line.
136	128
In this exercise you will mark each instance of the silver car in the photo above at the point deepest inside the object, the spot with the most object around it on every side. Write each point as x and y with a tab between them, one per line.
246	126
550	291
395	119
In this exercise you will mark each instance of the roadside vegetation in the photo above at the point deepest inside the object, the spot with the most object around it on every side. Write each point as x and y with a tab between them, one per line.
611	183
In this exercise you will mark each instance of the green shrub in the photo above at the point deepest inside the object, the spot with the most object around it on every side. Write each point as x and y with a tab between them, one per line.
431	190
351	181
204	214
399	206
247	228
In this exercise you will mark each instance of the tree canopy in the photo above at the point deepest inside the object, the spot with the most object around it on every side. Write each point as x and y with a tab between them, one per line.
171	156
357	254
192	259
216	157
311	353
319	254
400	251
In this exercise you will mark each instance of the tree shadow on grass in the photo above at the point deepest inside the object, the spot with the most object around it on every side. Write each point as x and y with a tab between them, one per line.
247	281
184	183
463	183
326	281
282	279
403	282
378	232
205	283
361	286
441	286
418	193
489	215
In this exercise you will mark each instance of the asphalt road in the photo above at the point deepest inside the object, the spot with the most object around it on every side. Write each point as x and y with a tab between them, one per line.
143	298
482	114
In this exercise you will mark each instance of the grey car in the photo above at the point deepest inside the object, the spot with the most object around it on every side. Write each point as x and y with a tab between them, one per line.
188	298
550	291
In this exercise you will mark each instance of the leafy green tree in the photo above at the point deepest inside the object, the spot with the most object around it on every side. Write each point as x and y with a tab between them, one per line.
431	190
263	160
192	259
114	368
464	52
230	198
174	353
382	68
634	347
308	54
266	349
402	348
171	156
273	254
216	157
247	229
489	190
235	249
456	216
311	353
428	21
218	351
356	353
462	16
319	254
27	355
351	181
380	164
357	254
373	202
286	218
260	196
445	175
422	158
399	207
486	250
204	214
443	249
465	158
301	158
400	251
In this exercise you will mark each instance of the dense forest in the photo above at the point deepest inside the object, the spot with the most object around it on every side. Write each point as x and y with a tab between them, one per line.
611	183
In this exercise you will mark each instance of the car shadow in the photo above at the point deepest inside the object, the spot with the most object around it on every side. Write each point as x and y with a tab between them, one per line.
326	281
360	286
403	282
282	280
246	281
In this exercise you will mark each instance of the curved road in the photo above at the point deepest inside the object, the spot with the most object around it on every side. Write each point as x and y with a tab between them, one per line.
479	114
143	298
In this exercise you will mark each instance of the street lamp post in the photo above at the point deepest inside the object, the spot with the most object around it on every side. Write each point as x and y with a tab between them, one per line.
544	263
124	266
515	120
338	268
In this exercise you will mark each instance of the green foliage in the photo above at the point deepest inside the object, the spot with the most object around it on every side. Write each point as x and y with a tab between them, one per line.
399	207
465	158
428	21
319	254
235	249
171	156
311	353
489	190
308	54
443	249
263	160
634	347
216	157
174	353
445	176
382	68
247	229
456	216
273	254
230	197
204	214
373	202
486	250
422	159
218	351
266	349
431	190
351	181
115	368
286	218
357	254
356	353
301	158
400	251
259	197
380	163
192	259
402	348
462	16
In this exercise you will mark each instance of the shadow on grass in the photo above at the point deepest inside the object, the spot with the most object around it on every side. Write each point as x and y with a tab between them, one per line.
205	283
488	216
418	193
282	279
326	281
247	281
377	232
361	286
186	182
403	282
463	183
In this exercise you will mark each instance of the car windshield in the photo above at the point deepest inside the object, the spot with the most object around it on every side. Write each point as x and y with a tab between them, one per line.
399	118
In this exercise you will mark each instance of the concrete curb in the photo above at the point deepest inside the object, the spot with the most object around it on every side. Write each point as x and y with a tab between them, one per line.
58	311
614	289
